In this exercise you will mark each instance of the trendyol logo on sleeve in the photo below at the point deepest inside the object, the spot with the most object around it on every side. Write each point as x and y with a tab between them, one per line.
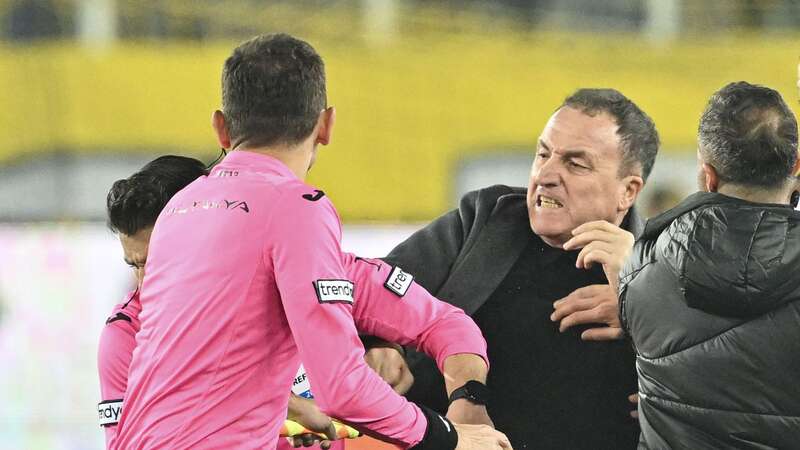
109	412
399	281
334	291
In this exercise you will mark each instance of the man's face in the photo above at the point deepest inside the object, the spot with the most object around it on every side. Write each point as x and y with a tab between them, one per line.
134	247
574	177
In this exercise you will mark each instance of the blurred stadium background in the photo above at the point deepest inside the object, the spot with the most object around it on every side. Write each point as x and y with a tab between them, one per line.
434	98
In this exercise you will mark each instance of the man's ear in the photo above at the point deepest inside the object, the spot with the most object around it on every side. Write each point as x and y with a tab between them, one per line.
711	179
327	118
221	129
796	170
632	185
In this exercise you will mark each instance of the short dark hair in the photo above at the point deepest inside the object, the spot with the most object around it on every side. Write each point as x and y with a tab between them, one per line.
134	203
636	130
749	134
273	89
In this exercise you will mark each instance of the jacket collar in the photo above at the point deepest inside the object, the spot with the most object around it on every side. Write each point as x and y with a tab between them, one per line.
633	222
254	161
657	224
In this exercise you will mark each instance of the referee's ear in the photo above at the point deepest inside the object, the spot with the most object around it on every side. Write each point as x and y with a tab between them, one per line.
325	123
221	129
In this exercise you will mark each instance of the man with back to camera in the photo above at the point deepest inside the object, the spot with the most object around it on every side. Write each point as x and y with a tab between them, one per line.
711	296
134	203
244	272
532	270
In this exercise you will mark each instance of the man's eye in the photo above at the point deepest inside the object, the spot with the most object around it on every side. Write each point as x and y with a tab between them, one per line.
542	155
576	165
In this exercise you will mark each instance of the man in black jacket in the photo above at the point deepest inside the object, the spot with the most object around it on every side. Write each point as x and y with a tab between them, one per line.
711	294
506	256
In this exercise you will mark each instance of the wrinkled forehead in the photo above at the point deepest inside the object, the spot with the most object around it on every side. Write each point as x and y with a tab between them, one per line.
570	129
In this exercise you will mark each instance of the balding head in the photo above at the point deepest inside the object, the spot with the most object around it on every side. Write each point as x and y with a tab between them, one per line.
749	135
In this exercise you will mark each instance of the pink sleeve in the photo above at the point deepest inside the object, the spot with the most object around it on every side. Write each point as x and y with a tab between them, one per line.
317	297
115	350
391	306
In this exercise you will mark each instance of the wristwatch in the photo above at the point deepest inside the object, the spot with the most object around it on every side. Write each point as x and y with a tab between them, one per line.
474	391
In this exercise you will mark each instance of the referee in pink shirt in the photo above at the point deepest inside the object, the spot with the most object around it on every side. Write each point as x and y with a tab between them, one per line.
245	277
390	304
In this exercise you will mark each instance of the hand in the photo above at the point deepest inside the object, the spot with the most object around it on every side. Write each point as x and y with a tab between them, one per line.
466	412
603	243
480	437
634	398
598	304
390	364
306	413
308	440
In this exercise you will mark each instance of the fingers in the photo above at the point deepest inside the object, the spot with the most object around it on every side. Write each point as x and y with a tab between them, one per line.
602	334
572	306
374	360
390	365
583	298
565	309
330	432
591	304
604	313
307	440
503	440
596	252
483	437
580	240
404	382
579	318
634	398
600	235
584	292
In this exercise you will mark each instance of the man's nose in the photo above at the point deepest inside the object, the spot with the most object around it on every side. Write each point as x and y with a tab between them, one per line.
546	174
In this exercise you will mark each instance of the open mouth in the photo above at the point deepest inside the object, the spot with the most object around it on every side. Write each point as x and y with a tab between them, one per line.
548	202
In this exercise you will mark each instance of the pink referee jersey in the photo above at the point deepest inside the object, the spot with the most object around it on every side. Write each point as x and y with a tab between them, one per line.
117	340
383	308
244	270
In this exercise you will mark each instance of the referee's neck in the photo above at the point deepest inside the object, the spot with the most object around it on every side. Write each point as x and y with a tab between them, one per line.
298	158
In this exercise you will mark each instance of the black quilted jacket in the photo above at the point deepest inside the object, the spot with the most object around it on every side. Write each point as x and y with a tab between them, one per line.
711	300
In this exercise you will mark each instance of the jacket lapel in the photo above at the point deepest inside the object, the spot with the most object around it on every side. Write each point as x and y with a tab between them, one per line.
481	268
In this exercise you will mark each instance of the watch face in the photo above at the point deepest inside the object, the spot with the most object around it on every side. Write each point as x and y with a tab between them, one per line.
473	391
476	392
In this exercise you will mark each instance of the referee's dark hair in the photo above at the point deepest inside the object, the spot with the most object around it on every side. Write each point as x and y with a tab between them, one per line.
749	135
273	90
134	203
637	132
